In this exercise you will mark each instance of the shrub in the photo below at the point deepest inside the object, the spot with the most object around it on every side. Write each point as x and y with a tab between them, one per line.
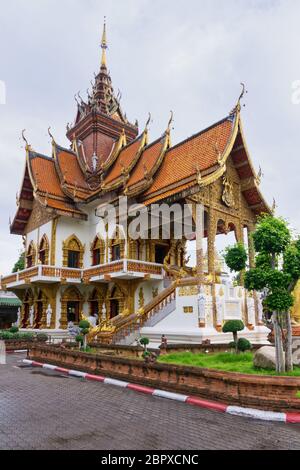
144	341
6	335
42	337
84	325
79	339
233	326
231	345
14	329
236	257
244	345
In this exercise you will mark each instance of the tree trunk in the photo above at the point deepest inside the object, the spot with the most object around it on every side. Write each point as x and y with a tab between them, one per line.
84	342
235	339
280	365
288	349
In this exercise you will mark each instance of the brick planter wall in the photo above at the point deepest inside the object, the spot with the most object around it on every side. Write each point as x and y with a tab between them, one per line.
271	393
15	344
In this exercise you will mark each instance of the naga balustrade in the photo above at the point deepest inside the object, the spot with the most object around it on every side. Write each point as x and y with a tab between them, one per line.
125	326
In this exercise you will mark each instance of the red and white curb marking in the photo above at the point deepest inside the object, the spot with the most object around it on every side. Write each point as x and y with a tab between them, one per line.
19	351
233	410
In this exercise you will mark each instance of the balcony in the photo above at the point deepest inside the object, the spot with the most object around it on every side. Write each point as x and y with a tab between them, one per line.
122	269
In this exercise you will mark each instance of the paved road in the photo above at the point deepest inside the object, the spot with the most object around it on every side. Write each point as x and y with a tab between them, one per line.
44	410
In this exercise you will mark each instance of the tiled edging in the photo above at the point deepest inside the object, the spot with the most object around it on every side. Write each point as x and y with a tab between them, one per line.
233	410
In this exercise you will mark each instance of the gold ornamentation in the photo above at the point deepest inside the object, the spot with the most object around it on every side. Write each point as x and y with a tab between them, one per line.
188	290
228	196
154	292
141	298
73	244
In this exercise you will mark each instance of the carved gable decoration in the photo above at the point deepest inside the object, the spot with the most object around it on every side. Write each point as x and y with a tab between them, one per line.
38	217
228	194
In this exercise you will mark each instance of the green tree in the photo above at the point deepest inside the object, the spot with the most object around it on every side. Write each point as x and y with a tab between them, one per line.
233	326
20	264
84	326
277	270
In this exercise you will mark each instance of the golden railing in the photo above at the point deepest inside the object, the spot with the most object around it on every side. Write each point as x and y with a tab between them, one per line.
123	266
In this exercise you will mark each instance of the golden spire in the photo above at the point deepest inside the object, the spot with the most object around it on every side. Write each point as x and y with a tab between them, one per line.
104	45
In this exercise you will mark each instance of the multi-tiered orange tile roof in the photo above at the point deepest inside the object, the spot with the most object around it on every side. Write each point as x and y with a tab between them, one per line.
149	172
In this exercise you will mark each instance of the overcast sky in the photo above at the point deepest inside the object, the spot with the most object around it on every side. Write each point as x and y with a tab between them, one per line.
189	56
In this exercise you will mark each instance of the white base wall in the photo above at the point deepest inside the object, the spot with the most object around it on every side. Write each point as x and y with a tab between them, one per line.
197	335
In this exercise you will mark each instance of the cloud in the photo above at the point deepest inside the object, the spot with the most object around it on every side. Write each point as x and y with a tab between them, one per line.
186	56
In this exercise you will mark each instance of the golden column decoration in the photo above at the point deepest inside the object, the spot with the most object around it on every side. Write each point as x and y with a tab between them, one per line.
211	237
53	241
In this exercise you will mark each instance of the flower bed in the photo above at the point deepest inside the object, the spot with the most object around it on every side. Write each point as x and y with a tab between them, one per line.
264	392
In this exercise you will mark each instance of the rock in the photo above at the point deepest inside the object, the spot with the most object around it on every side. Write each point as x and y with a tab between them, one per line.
265	358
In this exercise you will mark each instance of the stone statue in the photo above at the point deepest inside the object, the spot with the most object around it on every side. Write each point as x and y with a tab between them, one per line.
95	162
92	319
219	310
18	322
201	305
2	353
251	310
260	310
73	330
31	316
49	315
103	312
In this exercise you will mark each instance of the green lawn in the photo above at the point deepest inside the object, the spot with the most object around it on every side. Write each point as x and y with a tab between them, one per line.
230	362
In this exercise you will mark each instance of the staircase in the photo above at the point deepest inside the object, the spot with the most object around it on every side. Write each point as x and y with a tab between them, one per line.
127	329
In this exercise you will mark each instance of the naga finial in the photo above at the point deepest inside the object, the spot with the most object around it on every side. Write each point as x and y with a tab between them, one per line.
148	121
50	134
274	206
259	176
218	152
170	120
237	108
25	140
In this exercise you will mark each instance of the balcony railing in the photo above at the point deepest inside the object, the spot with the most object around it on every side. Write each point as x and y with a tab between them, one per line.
116	269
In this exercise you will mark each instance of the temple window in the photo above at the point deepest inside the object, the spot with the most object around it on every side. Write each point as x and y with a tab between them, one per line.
117	248
161	252
73	259
31	255
115	253
44	251
98	251
73	251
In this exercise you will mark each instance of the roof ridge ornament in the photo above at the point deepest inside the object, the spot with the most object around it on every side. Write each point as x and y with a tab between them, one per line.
170	121
259	176
27	145
104	45
237	108
274	206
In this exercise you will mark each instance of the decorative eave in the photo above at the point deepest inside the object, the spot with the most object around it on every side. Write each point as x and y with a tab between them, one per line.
123	178
122	142
145	183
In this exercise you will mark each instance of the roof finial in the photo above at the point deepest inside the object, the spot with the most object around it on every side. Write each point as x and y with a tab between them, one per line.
242	93
104	45
148	122
274	206
170	121
27	146
50	134
237	108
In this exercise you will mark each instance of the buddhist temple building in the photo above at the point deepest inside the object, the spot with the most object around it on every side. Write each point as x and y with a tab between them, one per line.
73	270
